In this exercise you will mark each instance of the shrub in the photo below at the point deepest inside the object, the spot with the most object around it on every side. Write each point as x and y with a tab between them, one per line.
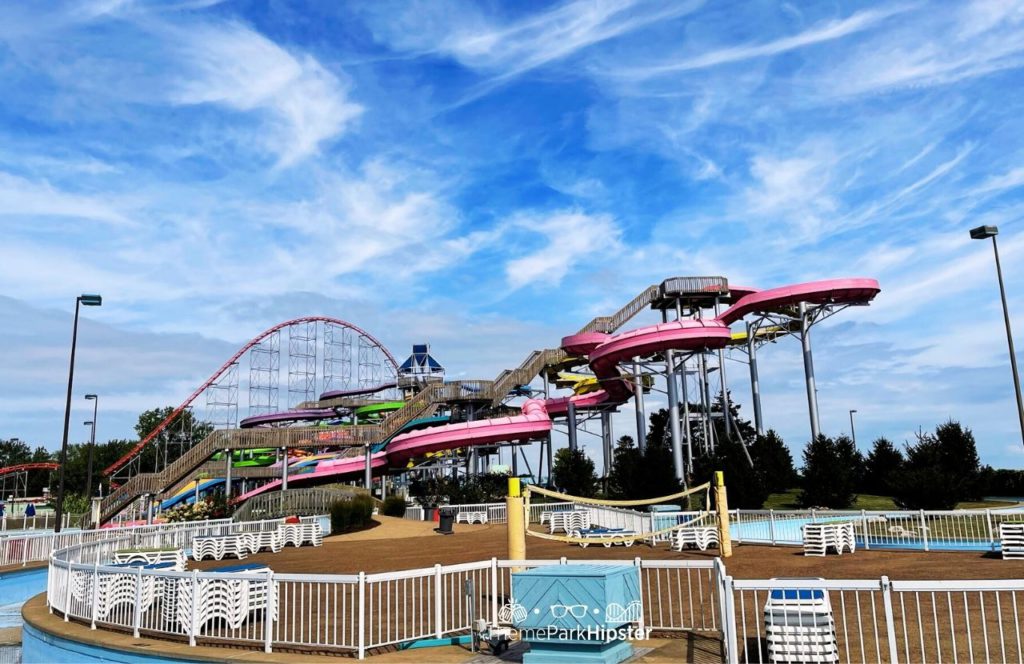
354	514
832	472
941	470
394	506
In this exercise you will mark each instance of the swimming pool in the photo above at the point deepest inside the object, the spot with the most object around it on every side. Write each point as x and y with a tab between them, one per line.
788	531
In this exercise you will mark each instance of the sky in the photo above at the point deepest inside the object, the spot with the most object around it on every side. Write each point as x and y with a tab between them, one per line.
488	176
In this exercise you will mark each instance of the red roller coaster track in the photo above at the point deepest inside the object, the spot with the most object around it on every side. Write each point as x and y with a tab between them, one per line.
234	358
21	467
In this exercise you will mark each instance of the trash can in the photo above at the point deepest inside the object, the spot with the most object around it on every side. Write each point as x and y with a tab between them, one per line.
446	520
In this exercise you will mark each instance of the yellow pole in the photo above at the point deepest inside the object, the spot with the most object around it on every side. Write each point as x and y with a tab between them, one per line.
515	521
722	507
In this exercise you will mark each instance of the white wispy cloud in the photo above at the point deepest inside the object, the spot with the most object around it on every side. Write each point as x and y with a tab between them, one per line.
234	66
571	237
817	34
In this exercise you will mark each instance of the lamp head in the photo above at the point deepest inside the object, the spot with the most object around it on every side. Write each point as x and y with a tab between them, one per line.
984	232
90	300
88	424
90	397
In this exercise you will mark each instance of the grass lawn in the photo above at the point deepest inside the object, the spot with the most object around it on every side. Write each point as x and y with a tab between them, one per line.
788	501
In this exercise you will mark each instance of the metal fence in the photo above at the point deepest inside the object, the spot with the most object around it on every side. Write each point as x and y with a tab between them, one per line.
873	620
357	613
926	530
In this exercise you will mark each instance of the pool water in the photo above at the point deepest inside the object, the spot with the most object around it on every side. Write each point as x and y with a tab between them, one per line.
789	531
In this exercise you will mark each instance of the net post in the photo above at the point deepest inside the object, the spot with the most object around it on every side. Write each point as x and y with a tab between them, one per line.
515	521
722	508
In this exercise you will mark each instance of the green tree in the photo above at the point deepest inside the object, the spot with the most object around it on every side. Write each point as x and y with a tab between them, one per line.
772	457
574	473
747	485
832	472
180	434
941	469
13	452
881	467
626	477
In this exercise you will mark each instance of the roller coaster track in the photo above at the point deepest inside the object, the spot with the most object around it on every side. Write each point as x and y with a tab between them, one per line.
422	403
23	467
234	358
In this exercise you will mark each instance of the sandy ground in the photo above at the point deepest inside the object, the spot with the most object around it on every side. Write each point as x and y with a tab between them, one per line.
398	544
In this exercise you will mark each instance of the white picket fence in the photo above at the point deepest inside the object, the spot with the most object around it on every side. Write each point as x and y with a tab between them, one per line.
876	620
925	530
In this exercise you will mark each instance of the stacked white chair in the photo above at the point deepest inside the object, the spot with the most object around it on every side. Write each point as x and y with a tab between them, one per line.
569	521
471	517
819	537
227	599
151	557
298	534
701	537
800	627
603	536
1011	539
266	539
238	545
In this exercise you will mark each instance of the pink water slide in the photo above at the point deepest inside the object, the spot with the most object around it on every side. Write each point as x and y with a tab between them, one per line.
604	352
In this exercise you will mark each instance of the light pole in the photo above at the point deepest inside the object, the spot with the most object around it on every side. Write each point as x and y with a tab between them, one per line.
88	301
982	233
92	443
853	432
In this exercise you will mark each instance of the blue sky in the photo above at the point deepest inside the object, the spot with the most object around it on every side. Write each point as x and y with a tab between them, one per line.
488	177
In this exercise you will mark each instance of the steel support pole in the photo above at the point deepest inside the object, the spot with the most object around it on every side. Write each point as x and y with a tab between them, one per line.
606	445
705	398
92	446
570	416
812	391
1009	339
673	410
723	383
755	384
59	507
686	418
284	469
367	469
641	414
227	475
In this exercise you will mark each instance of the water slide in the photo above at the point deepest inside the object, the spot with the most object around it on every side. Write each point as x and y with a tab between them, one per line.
604	352
187	493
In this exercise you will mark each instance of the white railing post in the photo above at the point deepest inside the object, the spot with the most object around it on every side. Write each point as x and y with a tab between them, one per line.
270	610
438	604
67	591
729	622
890	622
137	616
864	528
771	525
991	533
638	563
494	591
361	638
193	626
923	529
25	543
814	516
95	594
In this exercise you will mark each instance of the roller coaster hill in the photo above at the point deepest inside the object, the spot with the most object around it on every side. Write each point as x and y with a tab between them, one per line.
352	412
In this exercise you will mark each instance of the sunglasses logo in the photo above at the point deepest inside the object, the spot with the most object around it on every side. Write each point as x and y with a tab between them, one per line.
575	610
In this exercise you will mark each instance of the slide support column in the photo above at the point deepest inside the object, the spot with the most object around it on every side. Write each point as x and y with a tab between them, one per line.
367	470
673	410
284	469
227	476
571	419
606	445
705	399
812	390
686	418
641	415
755	384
